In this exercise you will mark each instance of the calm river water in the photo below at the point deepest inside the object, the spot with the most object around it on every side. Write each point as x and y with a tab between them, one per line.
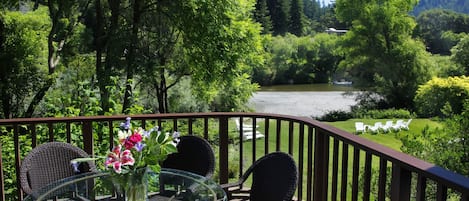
303	100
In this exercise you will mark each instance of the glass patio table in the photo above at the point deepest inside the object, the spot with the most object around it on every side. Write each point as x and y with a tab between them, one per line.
169	184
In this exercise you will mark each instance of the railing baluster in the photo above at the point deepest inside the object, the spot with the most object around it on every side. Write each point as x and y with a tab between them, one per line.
223	149
421	188
441	192
111	134
206	128
382	179
16	142
367	179
278	141
400	183
335	169
343	185
87	132
32	128
309	176
175	125
266	135
68	132
51	131
290	138
2	177
300	160
254	139
321	165
356	172
190	124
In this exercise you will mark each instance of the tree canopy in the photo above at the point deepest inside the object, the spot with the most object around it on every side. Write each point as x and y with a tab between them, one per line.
380	53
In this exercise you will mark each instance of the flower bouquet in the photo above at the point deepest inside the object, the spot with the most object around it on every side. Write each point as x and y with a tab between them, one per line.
135	152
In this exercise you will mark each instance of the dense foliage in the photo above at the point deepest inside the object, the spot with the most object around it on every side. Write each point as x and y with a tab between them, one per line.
23	56
441	29
299	60
461	6
447	147
379	51
443	97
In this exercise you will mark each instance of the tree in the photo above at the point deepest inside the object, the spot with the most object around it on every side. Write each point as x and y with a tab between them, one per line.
160	42
23	56
297	18
279	13
379	51
433	24
460	54
262	15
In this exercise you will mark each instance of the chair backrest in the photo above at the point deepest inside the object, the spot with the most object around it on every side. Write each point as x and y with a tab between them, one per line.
359	126
194	155
50	162
274	177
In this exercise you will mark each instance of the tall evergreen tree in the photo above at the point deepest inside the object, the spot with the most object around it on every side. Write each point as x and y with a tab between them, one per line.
297	18
261	14
279	10
311	9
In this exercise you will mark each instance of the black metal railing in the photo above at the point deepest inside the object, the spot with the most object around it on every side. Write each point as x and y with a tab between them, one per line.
333	164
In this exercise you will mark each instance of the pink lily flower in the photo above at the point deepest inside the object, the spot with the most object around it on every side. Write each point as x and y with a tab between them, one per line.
117	159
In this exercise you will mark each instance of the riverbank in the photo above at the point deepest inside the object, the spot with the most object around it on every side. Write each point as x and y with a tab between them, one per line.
301	103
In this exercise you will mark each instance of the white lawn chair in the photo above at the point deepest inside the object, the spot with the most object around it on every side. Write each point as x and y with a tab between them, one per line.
246	127
359	127
405	124
387	127
397	126
249	131
375	128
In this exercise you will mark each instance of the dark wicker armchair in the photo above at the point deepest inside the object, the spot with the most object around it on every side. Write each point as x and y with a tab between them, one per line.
274	178
50	162
194	155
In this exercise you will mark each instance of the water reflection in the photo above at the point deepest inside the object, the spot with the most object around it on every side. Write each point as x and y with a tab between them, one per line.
303	100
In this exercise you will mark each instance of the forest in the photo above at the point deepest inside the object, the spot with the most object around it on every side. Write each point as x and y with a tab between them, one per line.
96	57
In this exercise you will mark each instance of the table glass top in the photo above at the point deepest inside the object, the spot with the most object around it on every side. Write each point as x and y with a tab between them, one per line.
169	184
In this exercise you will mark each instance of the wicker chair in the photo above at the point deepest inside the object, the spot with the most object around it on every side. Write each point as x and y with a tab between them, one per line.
194	155
274	178
50	162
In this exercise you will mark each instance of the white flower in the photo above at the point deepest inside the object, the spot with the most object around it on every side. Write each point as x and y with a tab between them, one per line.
123	134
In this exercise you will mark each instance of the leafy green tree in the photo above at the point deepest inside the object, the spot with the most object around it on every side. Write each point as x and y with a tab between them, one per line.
460	54
379	51
433	24
23	59
326	58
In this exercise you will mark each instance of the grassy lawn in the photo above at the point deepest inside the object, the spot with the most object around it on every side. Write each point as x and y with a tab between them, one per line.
390	139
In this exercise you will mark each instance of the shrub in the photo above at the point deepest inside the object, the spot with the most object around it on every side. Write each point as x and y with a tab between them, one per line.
442	97
335	115
382	114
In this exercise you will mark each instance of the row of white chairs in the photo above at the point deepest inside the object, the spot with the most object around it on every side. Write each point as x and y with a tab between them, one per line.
400	124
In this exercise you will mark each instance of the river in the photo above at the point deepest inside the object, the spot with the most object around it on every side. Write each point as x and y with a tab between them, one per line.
303	100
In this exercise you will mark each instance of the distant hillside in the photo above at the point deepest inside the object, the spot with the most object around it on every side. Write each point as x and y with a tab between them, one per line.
460	6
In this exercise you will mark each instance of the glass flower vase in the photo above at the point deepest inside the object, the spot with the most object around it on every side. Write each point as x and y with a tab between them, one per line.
133	186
